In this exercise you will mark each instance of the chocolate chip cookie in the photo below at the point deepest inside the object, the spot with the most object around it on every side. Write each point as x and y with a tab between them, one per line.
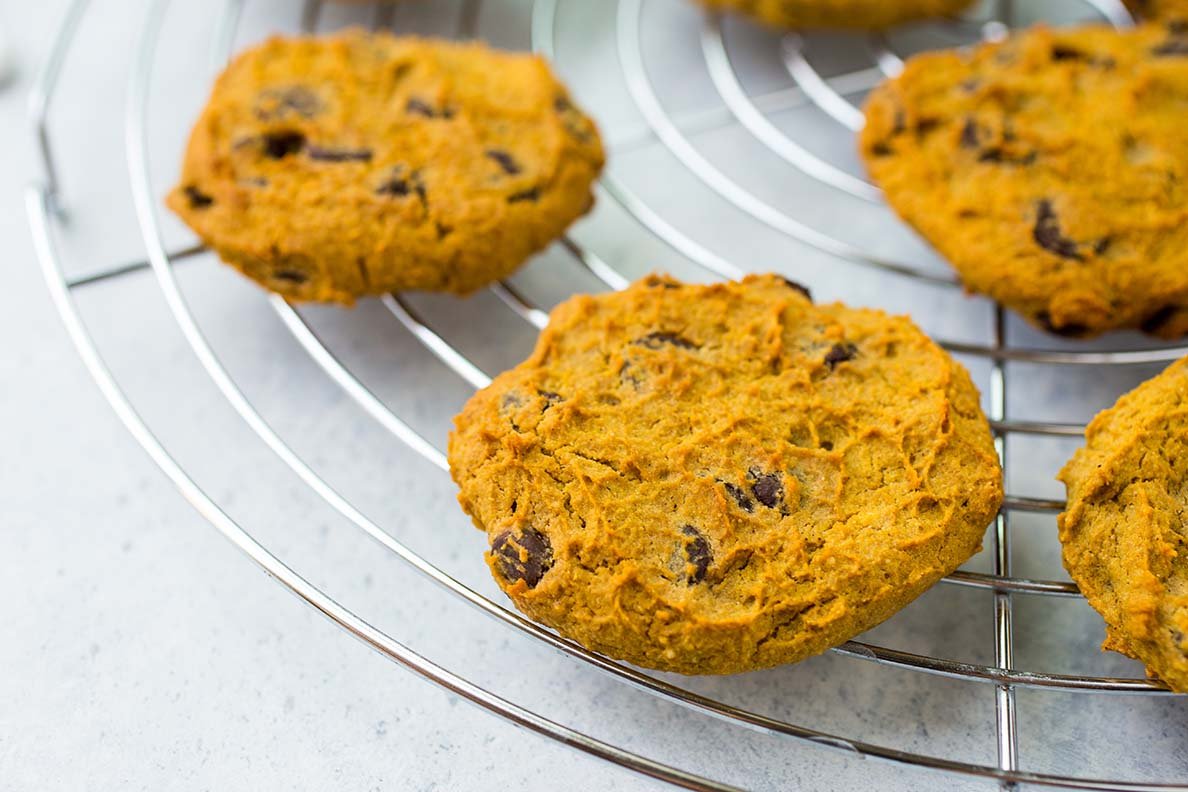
713	479
869	14
331	167
1124	532
1051	170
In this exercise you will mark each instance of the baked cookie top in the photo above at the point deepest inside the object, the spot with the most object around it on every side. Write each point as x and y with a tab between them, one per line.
1123	532
866	14
713	479
334	166
1051	170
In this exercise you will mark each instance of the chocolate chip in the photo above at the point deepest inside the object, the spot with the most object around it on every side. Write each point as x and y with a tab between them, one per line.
768	488
1153	323
422	108
562	104
794	286
657	340
525	556
740	497
1102	245
281	144
531	194
969	134
1171	48
997	155
1177	27
1063	52
840	353
698	554
926	126
292	276
550	398
338	155
506	161
275	103
394	186
196	198
881	149
1048	236
1070	330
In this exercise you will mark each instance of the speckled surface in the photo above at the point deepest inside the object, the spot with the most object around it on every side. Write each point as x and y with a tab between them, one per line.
142	651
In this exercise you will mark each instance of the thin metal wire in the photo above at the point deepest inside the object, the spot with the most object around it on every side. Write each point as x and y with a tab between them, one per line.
630	44
722	73
40	203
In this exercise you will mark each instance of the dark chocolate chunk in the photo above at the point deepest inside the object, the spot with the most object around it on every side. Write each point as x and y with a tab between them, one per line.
1048	236
292	276
969	134
657	340
1071	330
281	144
840	353
794	286
422	108
997	155
1157	320
740	497
338	155
531	194
525	556
768	488
196	198
698	554
506	161
396	185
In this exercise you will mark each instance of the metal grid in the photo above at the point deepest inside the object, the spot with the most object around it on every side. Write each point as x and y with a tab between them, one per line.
44	202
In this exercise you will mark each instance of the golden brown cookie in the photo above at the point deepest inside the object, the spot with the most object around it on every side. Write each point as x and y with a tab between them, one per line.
713	479
1051	170
331	167
1125	530
865	14
1159	9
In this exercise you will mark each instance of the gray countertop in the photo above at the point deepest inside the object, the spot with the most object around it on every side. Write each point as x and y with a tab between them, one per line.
140	650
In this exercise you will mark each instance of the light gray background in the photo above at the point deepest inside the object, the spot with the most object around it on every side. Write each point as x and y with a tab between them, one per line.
139	650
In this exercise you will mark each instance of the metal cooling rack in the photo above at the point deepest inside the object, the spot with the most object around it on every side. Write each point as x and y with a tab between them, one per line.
758	114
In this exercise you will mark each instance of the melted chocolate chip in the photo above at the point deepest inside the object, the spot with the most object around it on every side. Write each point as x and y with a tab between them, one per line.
506	161
794	286
740	497
525	556
531	194
292	276
279	145
196	198
422	108
657	340
768	488
698	554
1153	323
969	134
998	156
840	353
338	155
1047	233
396	185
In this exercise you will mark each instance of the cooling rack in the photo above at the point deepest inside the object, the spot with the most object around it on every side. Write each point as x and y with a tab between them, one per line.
786	109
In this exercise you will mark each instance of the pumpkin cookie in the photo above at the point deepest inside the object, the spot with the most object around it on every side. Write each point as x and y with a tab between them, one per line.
331	167
714	479
866	14
1123	532
1051	170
